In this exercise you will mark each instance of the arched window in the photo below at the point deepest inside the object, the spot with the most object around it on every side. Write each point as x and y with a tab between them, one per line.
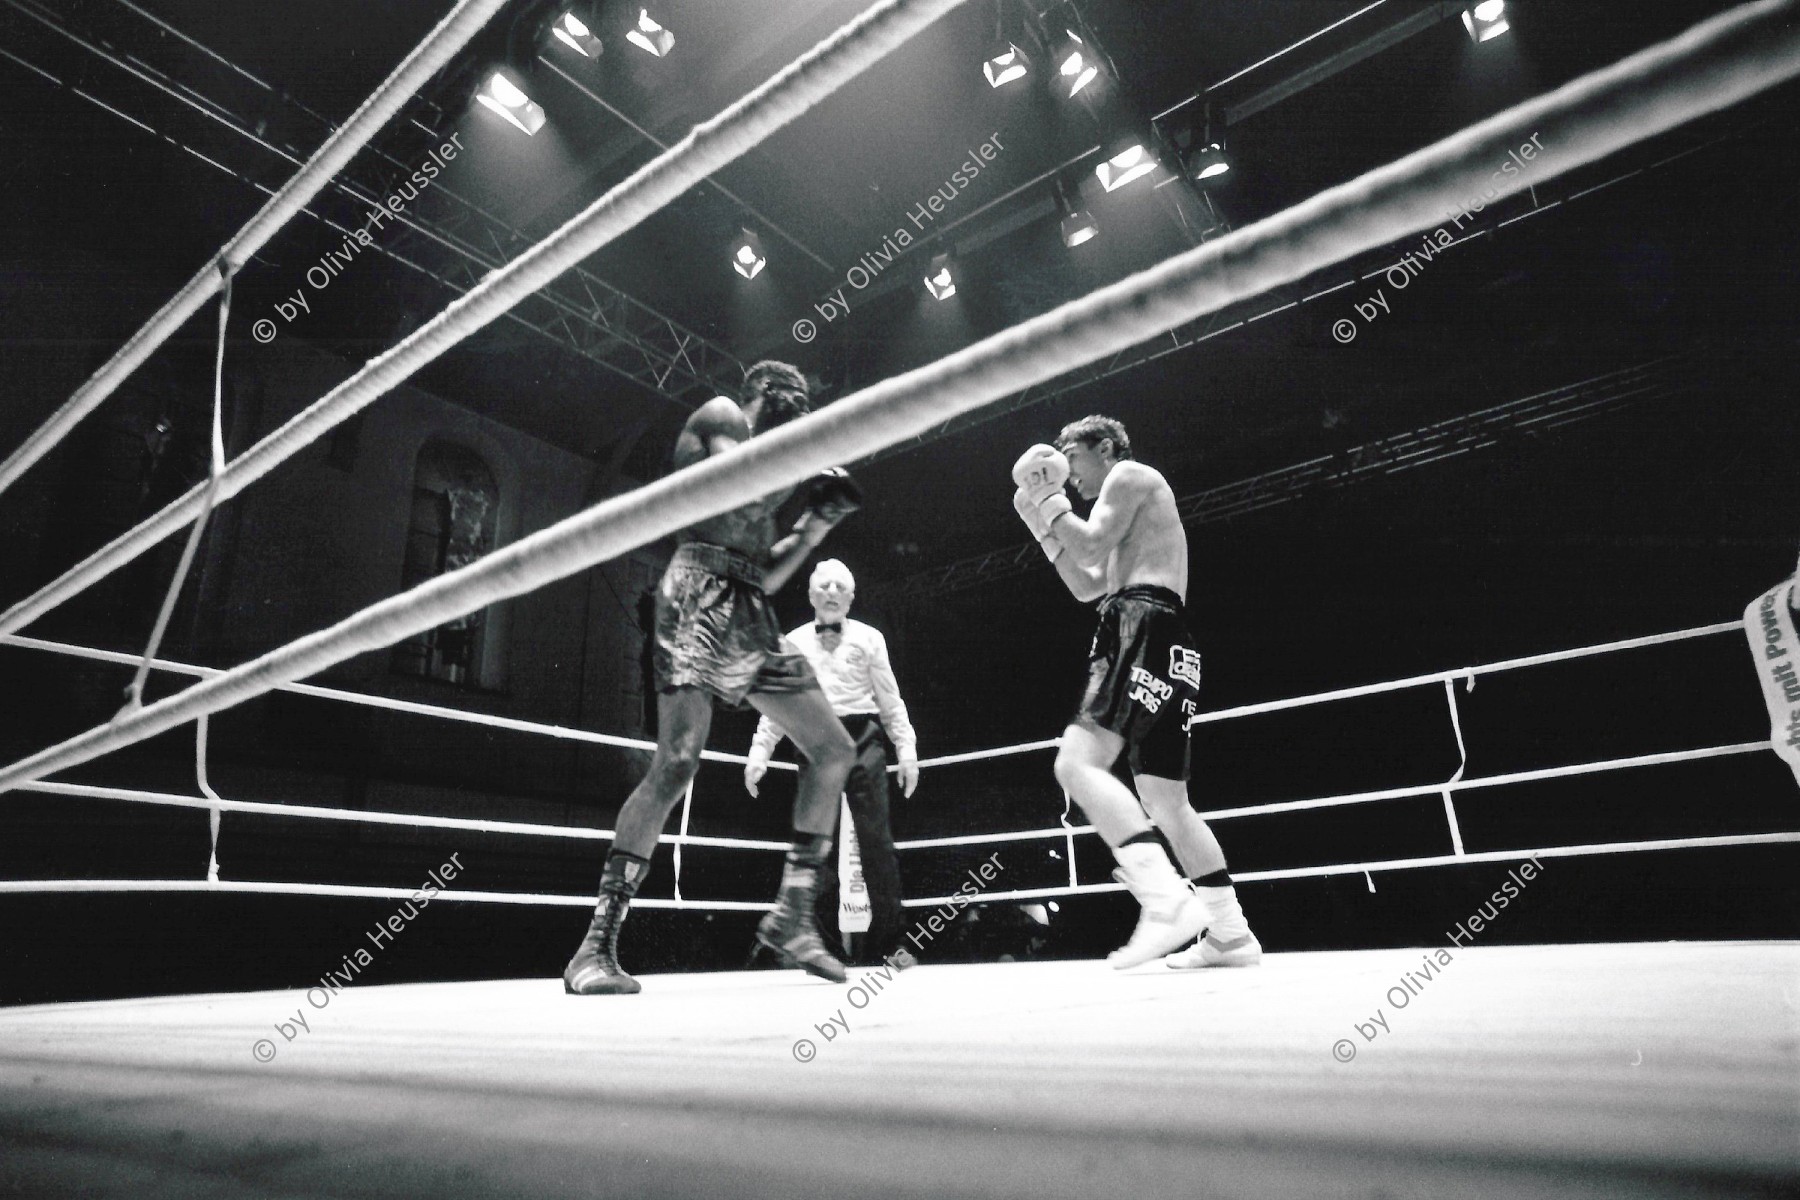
454	503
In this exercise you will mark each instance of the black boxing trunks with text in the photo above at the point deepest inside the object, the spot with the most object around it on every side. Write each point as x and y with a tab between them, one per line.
1144	678
715	629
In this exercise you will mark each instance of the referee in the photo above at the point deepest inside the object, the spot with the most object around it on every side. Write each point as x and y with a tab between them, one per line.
851	660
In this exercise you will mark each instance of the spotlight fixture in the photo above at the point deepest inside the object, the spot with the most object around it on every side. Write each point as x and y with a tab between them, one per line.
1077	224
747	256
1130	161
1005	63
650	37
1208	162
1078	227
503	96
1203	155
573	32
1075	64
939	281
1486	20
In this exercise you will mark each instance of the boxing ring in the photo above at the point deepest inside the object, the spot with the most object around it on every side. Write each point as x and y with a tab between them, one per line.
1615	1070
1064	833
1528	1070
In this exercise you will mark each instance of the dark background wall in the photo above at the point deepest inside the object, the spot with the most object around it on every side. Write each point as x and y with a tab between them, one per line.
1663	514
1607	529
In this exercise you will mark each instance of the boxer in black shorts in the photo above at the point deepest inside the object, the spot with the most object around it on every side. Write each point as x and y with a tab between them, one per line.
717	642
1143	679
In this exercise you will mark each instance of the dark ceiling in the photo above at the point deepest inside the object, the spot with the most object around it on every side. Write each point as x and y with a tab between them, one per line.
1624	274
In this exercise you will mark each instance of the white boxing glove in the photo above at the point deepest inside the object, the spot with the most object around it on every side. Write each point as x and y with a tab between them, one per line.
1034	521
1041	473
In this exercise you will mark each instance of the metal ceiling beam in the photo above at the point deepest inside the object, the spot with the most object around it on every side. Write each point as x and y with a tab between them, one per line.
1370	462
761	217
1340	62
1433	12
579	311
1184	337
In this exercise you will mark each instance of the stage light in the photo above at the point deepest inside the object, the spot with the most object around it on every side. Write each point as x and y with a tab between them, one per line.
939	281
503	96
747	257
1005	63
1075	64
1078	227
574	33
1486	20
1203	154
650	37
1208	162
1132	162
1077	224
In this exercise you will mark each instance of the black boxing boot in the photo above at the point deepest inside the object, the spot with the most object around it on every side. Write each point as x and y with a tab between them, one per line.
789	928
595	969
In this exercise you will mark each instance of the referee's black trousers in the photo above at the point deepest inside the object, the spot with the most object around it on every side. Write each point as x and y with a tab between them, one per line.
866	792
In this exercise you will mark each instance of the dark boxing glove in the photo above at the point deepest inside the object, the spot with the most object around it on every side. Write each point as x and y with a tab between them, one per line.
833	488
831	495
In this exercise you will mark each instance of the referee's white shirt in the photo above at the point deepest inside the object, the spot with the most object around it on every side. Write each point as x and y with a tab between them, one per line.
857	679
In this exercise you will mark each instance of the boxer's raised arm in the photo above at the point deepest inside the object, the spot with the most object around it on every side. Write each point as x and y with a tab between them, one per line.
713	428
1089	542
1086	584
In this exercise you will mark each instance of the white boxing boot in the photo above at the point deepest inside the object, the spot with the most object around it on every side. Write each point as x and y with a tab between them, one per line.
1228	941
1173	915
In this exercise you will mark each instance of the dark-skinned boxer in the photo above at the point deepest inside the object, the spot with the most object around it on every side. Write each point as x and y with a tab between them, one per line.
717	642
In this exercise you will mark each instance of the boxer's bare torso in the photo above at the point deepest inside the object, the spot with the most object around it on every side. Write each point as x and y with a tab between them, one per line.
1154	548
717	426
1133	535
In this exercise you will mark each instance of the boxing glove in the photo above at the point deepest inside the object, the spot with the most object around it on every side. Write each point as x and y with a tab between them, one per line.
831	495
1041	473
833	488
1034	521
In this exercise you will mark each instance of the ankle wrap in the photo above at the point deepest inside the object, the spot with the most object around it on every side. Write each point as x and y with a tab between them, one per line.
623	874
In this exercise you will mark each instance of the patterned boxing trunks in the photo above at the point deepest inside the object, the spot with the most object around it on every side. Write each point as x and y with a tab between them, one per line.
715	629
1144	678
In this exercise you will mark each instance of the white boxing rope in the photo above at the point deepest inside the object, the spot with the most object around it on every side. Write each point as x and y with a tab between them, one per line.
1469	673
209	497
1069	832
1066	831
385	703
427	59
999	752
90	791
481	825
1718	63
1462	764
206	789
1049	893
1017	835
711	145
1488	781
1716	842
687	807
355	892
